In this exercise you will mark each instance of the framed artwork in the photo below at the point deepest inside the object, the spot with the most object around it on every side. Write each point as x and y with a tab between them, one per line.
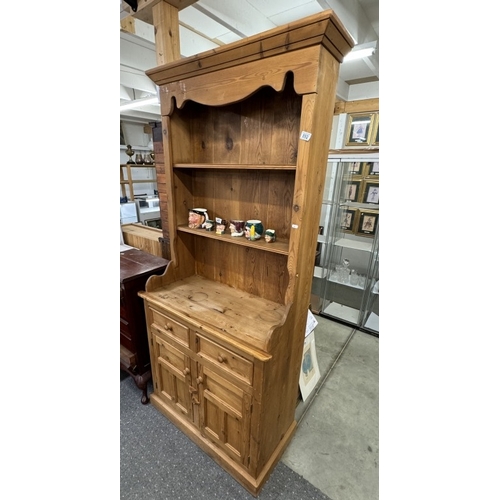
309	372
348	219
370	191
367	223
351	189
370	169
355	167
359	129
374	138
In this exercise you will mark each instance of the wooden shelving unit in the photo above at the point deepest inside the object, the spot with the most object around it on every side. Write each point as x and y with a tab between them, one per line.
129	181
227	319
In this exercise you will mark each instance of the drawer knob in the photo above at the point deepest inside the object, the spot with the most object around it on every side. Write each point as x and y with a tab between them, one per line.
221	359
199	380
186	371
169	326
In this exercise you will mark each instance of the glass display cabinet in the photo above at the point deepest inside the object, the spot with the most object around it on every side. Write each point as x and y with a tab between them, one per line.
346	274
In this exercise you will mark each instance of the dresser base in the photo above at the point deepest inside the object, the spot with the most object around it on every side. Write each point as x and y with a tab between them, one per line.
253	485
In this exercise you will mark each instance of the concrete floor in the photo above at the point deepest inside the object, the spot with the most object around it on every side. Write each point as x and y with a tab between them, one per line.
336	446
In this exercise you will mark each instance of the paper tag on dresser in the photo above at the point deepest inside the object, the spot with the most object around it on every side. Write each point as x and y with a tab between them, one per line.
305	136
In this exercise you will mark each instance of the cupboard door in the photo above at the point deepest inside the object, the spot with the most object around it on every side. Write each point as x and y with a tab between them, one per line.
173	376
225	414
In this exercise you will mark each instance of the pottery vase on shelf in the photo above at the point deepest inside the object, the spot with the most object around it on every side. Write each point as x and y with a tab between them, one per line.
139	159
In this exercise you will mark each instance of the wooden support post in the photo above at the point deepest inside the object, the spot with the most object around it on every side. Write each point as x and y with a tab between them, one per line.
128	24
164	16
166	24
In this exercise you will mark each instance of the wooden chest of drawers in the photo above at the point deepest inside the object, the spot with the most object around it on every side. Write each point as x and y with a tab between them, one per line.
136	267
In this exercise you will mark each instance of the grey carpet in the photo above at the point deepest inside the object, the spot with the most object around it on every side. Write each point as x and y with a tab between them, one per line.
157	461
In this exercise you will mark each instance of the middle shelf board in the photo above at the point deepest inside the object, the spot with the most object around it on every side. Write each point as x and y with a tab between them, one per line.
278	246
235	166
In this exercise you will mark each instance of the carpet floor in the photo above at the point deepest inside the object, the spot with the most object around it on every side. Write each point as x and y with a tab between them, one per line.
158	462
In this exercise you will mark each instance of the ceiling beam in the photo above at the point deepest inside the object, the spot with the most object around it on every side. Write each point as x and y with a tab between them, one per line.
144	10
239	17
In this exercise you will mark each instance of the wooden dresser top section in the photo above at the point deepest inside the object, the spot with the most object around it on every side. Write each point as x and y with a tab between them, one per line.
136	262
267	56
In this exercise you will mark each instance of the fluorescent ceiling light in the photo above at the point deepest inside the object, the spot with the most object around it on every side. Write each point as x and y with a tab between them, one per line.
139	103
360	51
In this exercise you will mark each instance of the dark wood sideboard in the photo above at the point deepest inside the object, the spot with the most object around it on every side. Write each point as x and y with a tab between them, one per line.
136	266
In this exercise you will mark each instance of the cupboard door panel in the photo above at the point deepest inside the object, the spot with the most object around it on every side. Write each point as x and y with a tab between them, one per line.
225	415
174	376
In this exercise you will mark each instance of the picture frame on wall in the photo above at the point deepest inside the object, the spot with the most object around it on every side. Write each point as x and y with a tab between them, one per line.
351	190
355	168
348	219
370	169
374	141
359	129
370	191
367	223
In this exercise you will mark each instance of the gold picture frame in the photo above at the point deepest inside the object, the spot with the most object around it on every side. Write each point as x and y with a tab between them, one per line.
351	189
355	168
371	169
348	219
359	129
374	140
367	223
370	191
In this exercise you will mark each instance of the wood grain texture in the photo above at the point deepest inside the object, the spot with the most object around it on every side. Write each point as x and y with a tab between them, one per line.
143	237
233	86
310	31
166	30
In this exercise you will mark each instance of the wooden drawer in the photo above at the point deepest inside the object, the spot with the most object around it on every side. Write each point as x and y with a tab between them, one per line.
123	303
235	364
124	327
126	341
170	327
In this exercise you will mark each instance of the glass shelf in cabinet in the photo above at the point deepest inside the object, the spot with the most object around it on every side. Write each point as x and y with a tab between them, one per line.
345	283
364	246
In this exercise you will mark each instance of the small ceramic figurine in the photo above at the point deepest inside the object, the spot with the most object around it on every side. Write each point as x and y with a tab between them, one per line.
220	225
254	229
237	227
197	218
270	235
